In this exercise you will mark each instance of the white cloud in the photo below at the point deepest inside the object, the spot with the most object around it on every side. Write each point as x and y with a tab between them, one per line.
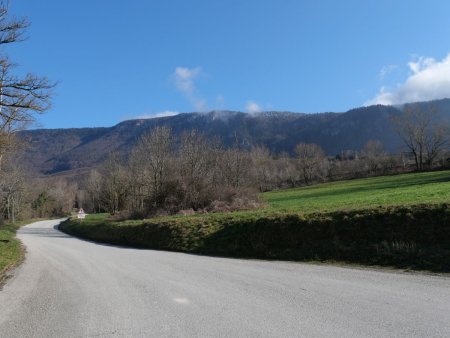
166	113
252	107
429	80
160	114
386	70
184	79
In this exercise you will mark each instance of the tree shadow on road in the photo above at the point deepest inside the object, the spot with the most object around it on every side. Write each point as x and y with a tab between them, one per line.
43	232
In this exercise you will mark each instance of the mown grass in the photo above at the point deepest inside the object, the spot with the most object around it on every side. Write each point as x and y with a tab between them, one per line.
406	189
399	221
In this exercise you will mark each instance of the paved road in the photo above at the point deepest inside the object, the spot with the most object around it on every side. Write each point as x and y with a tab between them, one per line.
73	288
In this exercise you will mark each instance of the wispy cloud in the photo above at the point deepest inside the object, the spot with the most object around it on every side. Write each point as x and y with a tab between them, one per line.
252	107
184	80
386	70
428	80
160	114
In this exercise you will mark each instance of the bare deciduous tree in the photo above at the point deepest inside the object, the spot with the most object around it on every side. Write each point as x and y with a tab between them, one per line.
197	164
235	165
156	151
10	30
12	185
20	97
139	178
373	155
421	133
310	160
63	195
262	167
93	187
114	185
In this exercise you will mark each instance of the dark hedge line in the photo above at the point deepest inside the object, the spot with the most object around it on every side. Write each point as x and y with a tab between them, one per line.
413	237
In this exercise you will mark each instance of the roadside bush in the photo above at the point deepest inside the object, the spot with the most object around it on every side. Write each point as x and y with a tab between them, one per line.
416	237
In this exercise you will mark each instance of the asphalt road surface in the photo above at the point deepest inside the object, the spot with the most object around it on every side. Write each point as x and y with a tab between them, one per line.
73	288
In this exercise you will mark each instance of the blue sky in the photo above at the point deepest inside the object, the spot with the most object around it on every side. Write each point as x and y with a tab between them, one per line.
115	60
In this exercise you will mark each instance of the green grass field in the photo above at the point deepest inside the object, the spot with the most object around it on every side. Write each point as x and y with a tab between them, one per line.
399	221
358	194
406	189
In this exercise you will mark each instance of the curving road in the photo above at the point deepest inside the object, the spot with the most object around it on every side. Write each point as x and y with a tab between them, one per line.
73	288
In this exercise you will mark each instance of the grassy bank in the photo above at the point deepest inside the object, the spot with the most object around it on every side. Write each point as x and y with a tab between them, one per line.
11	252
399	221
415	237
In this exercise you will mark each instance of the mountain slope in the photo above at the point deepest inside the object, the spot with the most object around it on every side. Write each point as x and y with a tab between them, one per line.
57	150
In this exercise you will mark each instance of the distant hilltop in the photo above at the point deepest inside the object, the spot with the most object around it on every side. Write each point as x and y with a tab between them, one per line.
54	151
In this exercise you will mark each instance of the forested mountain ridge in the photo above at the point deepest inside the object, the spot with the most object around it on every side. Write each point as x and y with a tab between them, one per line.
52	151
